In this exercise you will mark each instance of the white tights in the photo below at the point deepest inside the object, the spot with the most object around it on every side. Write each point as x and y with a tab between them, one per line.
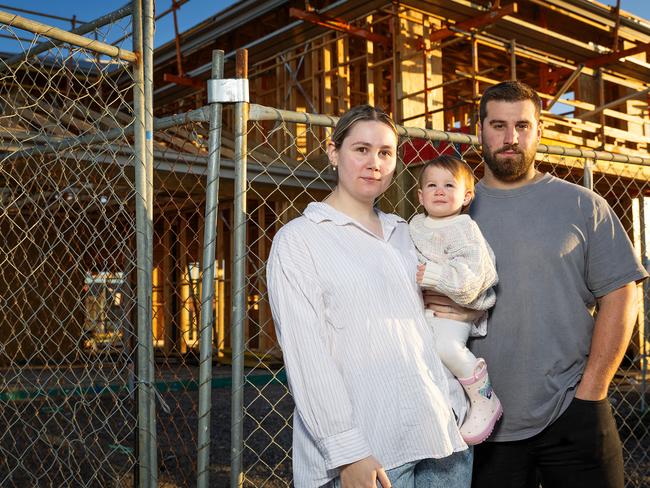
451	337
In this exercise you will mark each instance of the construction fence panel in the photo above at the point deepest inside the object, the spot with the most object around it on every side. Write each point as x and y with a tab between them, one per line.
288	168
68	263
180	183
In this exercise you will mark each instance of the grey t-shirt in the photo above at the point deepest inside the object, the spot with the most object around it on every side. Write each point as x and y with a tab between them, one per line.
558	247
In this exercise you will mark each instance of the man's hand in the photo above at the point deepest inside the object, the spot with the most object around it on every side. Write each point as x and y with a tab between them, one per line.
419	276
445	308
364	474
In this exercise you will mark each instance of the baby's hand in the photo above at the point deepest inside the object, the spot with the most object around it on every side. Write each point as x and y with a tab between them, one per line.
419	276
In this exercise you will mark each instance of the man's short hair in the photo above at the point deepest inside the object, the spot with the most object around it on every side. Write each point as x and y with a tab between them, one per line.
509	91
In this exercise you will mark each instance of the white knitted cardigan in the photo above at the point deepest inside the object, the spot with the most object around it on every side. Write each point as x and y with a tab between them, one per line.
459	262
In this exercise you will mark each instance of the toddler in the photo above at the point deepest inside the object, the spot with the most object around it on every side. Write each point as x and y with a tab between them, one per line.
458	263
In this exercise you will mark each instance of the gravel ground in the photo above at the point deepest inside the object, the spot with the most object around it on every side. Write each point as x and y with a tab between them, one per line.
89	441
267	438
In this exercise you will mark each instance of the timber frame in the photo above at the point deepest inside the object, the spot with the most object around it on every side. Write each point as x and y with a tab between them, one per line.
427	62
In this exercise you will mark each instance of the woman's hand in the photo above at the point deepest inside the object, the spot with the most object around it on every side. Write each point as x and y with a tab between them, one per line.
445	308
364	474
419	276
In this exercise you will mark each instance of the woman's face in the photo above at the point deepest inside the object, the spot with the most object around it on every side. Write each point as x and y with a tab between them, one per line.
366	160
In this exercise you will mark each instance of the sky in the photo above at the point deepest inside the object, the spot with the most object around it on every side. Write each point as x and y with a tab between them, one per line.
189	14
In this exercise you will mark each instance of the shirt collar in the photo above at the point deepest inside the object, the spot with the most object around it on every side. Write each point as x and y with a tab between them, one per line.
319	212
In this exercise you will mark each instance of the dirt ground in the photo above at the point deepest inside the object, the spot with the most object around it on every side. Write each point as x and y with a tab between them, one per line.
88	441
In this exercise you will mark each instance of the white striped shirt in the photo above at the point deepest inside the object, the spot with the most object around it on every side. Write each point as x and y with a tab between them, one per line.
359	354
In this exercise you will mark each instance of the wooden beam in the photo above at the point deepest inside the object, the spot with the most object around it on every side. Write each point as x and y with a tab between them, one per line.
294	81
615	56
604	60
566	86
177	40
573	103
184	80
343	75
614	103
475	82
554	62
617	13
184	288
370	72
220	288
513	59
601	102
338	25
474	23
267	340
167	290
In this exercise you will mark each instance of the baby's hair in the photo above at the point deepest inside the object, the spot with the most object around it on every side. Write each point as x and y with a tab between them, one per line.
457	167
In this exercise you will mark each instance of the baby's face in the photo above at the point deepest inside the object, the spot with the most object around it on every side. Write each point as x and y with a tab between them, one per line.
443	195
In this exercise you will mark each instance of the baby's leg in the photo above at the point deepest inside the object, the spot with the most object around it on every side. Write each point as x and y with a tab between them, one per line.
485	408
451	336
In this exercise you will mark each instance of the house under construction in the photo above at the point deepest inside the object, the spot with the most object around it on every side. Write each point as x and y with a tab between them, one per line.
427	62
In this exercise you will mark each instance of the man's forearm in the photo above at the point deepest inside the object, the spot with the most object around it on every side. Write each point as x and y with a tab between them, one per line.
617	312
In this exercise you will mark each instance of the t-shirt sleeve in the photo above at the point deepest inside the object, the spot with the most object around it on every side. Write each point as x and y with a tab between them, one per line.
611	259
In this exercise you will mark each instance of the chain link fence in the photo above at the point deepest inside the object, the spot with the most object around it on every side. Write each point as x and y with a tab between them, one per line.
67	258
180	176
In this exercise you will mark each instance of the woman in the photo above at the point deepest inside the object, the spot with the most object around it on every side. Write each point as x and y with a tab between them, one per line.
372	398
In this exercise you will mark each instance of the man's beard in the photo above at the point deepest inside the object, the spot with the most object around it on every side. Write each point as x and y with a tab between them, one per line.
509	169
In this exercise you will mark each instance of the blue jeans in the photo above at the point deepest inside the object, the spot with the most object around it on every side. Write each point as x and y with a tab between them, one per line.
453	471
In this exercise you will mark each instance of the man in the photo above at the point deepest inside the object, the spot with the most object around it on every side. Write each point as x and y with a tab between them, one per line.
560	252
